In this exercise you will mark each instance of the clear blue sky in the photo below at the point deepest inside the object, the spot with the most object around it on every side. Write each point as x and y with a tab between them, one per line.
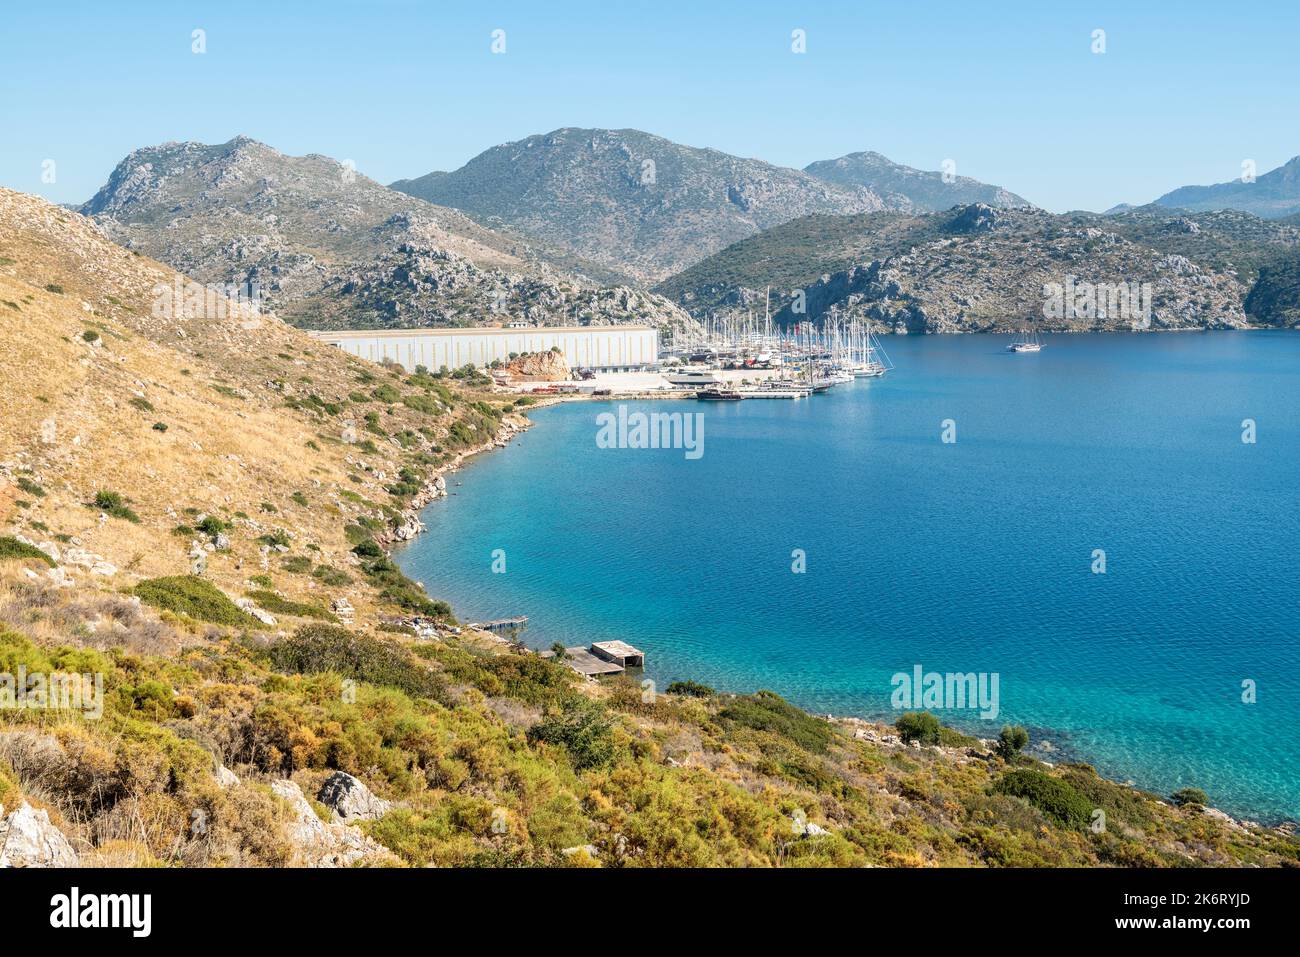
1010	91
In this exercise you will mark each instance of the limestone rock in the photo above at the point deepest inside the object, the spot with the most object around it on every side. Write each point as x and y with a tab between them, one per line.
350	799
318	844
28	839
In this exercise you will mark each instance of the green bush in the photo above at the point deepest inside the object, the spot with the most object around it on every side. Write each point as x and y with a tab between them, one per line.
919	726
278	605
30	487
12	548
422	403
768	711
142	404
1058	800
112	503
368	549
212	526
319	648
1011	741
1185	797
331	576
584	730
692	689
193	596
276	539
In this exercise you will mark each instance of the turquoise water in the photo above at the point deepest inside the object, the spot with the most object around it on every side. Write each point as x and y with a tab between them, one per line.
968	557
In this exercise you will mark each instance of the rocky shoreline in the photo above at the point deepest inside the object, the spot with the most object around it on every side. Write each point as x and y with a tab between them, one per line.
886	736
435	487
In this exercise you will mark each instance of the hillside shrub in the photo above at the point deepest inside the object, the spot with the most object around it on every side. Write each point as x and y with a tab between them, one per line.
919	726
1054	797
194	597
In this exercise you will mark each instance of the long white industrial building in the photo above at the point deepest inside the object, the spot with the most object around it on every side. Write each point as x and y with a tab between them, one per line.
609	348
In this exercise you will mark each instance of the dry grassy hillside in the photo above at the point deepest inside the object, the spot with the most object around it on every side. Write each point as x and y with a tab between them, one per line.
212	411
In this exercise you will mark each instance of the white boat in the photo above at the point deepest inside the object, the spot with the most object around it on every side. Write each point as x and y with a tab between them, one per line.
1028	342
694	378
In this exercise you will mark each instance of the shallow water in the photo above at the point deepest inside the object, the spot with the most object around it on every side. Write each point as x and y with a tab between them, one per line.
975	556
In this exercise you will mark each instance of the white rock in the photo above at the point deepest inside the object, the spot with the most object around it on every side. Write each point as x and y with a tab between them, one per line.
350	799
324	845
28	839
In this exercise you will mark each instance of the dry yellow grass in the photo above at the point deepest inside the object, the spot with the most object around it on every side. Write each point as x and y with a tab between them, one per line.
220	384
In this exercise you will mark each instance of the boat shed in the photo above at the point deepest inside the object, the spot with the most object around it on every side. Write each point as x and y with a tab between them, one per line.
619	652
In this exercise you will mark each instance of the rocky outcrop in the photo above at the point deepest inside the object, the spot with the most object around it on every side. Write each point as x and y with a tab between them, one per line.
317	844
350	799
418	283
539	367
28	839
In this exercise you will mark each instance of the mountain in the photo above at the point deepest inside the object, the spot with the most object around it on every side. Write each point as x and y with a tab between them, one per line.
1274	195
632	201
977	268
925	191
319	241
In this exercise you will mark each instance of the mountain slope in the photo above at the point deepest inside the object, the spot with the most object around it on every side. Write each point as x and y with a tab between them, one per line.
193	407
631	200
1273	195
297	228
977	268
926	191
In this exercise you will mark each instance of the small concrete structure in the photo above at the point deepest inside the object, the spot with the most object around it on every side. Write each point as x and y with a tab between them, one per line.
619	652
602	658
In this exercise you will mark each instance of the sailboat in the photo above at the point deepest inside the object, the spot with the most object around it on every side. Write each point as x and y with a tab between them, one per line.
863	342
1028	342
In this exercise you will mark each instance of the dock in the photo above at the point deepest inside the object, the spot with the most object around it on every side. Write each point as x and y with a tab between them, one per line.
501	624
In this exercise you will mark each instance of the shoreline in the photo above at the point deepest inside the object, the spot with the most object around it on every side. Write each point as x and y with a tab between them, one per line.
852	722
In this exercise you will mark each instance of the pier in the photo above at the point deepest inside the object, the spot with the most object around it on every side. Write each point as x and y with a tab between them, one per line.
501	624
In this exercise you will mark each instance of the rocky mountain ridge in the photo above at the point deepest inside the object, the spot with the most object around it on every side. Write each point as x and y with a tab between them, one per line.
925	191
1271	195
298	228
979	268
634	201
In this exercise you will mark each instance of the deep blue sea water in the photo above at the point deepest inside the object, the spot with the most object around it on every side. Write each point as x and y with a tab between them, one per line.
968	557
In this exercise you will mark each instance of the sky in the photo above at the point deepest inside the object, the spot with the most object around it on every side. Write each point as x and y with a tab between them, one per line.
1013	92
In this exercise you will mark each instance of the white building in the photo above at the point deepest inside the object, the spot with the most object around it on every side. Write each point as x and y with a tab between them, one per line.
608	348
